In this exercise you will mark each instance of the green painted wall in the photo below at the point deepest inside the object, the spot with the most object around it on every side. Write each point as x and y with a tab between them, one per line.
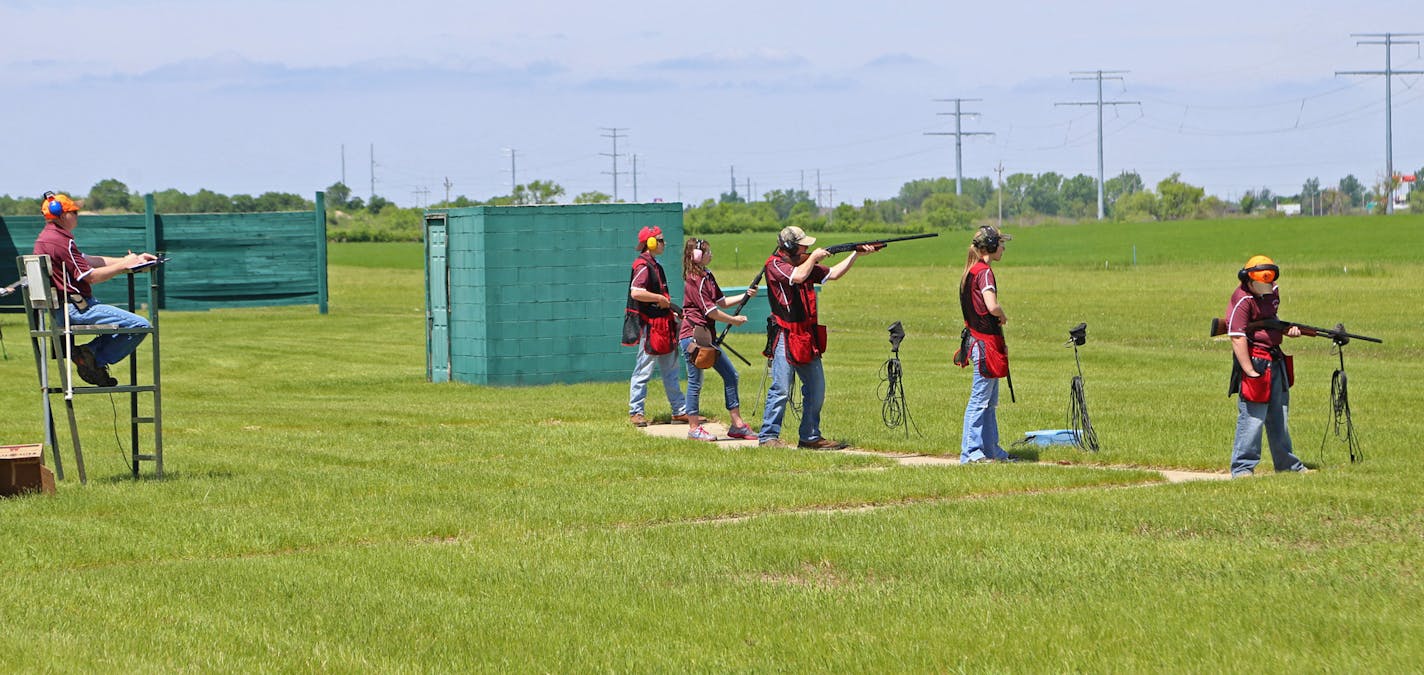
536	293
218	259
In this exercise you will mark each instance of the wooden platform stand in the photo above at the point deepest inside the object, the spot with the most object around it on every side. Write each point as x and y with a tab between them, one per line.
50	338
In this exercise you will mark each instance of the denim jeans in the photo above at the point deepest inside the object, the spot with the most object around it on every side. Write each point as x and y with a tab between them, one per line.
813	395
980	438
109	349
723	366
1270	416
643	373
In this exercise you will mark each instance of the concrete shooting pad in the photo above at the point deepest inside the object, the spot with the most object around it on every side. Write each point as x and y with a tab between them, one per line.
679	430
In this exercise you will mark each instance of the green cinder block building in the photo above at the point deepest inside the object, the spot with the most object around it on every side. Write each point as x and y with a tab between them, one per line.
528	295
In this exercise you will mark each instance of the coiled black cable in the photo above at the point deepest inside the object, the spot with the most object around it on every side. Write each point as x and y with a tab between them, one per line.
1340	413
894	411
1083	435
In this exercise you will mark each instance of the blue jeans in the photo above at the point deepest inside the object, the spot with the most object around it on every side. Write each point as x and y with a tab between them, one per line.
643	373
813	395
724	367
109	349
980	439
1270	416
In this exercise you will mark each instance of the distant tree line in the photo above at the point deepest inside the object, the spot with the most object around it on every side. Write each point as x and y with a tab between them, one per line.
922	205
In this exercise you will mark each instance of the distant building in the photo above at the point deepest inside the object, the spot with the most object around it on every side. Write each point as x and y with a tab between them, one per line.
1289	209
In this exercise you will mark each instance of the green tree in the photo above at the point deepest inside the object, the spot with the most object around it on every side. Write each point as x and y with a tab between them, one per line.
1177	200
207	201
172	201
1016	189
377	204
282	201
1080	196
783	201
338	195
1135	207
1248	202
1353	189
914	193
1045	195
1119	186
593	197
947	211
538	192
109	194
244	204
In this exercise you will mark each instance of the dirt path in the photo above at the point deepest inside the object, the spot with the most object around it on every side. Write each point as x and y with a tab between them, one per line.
911	459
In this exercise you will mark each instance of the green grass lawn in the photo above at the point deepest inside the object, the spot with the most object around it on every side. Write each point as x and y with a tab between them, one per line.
327	509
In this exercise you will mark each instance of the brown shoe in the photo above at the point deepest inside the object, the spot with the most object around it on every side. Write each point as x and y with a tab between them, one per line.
679	419
89	370
774	443
823	444
637	420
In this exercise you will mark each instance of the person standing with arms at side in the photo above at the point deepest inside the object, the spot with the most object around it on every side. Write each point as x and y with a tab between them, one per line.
73	274
1261	373
702	305
791	277
982	345
648	298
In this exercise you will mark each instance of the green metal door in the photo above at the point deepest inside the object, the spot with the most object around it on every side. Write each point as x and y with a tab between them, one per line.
437	300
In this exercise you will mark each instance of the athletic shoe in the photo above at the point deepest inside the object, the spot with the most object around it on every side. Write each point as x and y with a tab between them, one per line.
823	444
637	420
742	432
700	434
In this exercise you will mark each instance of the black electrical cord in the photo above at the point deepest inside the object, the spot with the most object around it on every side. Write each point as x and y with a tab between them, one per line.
894	411
1083	434
1340	412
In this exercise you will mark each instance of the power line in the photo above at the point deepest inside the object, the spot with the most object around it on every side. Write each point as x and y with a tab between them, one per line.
958	135
613	134
1389	42
1099	75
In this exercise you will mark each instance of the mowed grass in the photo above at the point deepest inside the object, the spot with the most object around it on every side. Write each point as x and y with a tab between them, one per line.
328	509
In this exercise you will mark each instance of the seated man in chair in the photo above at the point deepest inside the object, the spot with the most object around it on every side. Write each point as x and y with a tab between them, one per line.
72	274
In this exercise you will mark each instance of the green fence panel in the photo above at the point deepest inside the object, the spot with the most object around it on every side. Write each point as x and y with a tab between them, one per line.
217	259
536	293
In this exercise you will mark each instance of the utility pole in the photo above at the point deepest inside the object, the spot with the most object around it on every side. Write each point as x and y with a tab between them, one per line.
1099	75
818	189
373	171
448	185
732	171
1389	72
613	134
749	190
1000	170
343	164
513	175
958	135
831	200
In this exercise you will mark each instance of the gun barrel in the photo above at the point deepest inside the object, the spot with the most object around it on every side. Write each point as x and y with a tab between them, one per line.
846	248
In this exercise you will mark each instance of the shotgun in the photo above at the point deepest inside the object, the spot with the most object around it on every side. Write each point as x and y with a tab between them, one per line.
1336	334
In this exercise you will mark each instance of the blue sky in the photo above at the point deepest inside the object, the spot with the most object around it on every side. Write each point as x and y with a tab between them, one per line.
247	97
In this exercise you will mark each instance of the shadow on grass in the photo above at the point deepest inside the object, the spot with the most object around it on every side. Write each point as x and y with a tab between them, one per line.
167	477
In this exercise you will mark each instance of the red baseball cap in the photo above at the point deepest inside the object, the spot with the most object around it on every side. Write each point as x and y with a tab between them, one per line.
648	233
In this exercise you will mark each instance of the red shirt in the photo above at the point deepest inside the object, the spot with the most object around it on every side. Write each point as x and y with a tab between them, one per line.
1246	307
68	268
971	300
700	294
788	303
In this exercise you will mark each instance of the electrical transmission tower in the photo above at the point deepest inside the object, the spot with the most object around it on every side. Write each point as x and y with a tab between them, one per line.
1099	75
958	135
1389	72
613	134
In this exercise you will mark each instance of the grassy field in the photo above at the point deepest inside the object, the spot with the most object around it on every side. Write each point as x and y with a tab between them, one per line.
327	509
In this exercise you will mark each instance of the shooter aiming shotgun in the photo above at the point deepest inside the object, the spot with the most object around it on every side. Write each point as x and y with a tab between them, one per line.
837	248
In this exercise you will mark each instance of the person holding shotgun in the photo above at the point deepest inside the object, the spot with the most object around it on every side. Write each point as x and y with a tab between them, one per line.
654	332
702	305
792	273
982	344
1261	373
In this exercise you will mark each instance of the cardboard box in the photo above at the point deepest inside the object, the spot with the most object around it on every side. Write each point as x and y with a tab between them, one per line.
22	470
